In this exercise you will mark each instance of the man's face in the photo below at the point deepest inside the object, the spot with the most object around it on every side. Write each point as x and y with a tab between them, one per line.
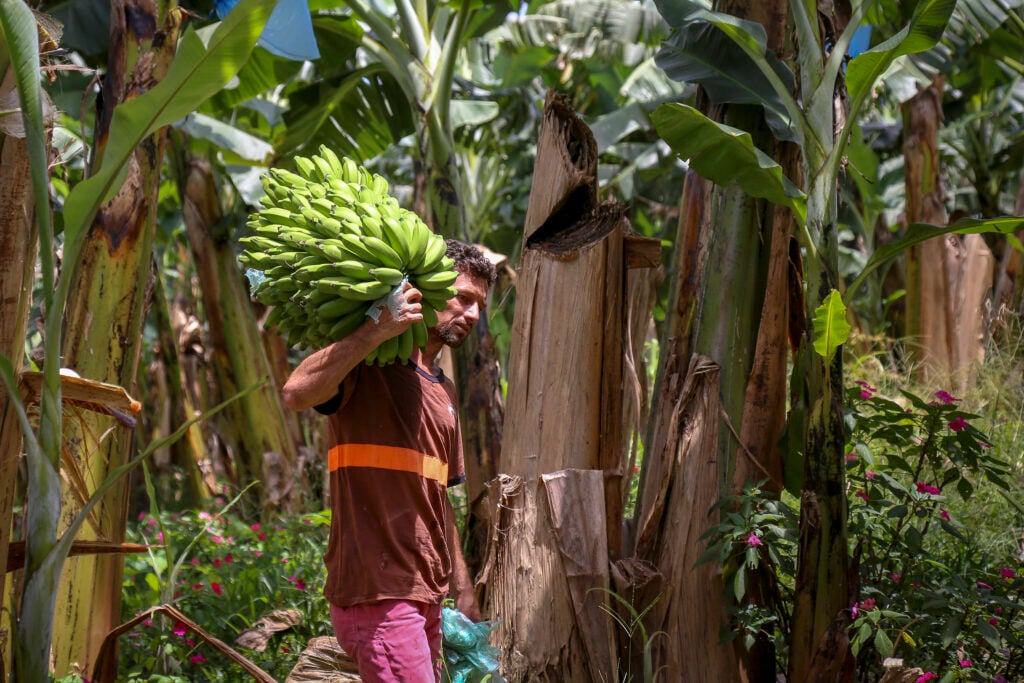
463	311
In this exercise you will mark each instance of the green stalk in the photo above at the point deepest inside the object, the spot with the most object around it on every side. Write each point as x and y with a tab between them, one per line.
35	627
412	28
446	67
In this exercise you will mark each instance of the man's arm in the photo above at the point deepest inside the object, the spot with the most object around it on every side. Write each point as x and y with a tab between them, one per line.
316	379
461	586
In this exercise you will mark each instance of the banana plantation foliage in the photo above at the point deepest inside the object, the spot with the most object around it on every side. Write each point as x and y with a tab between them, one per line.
744	406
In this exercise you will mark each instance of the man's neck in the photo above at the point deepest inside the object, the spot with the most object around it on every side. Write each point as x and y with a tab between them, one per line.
428	358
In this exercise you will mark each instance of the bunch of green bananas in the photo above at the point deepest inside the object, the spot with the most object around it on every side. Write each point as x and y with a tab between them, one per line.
329	241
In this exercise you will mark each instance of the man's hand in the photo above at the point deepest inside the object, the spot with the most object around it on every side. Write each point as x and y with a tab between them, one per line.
408	310
465	602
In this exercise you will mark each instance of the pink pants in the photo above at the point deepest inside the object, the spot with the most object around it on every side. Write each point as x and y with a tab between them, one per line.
391	641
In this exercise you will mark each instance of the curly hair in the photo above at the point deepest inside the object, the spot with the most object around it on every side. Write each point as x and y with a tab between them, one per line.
469	259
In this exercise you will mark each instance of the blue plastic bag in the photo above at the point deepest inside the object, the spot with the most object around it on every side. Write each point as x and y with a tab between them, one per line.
469	656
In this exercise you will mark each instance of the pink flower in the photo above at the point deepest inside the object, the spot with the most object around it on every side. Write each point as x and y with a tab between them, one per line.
867	604
179	628
928	488
869	474
965	663
866	390
142	515
959	424
982	584
255	527
297	582
860	493
753	540
197	586
216	562
216	588
993	620
944	515
896	577
999	678
228	558
160	537
1007	573
851	457
262	536
926	676
197	659
217	539
946	398
195	562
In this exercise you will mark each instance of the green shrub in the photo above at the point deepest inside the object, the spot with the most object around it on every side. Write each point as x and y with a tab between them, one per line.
931	520
230	574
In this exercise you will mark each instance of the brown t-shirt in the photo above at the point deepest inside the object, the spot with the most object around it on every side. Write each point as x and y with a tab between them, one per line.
394	447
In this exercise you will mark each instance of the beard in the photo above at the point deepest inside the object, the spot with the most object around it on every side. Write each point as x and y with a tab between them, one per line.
451	334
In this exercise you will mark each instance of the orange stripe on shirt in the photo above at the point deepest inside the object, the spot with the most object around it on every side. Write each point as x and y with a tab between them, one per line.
388	458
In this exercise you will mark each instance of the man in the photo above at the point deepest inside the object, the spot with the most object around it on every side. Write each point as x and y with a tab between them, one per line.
394	447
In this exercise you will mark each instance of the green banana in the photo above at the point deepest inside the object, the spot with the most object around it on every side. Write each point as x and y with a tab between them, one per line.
419	335
389	276
386	351
324	168
398	237
360	291
372	226
347	324
351	171
380	185
308	169
358	270
332	160
279	216
356	245
335	307
342	193
382	251
405	345
436	247
439	279
288	179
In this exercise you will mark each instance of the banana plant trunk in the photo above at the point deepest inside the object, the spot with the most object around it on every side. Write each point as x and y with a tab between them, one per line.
103	335
171	405
563	450
729	248
256	425
18	246
948	277
819	641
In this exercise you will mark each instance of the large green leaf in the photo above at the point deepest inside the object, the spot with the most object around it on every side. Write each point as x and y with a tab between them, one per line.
359	115
722	54
725	155
205	62
831	330
919	232
922	33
